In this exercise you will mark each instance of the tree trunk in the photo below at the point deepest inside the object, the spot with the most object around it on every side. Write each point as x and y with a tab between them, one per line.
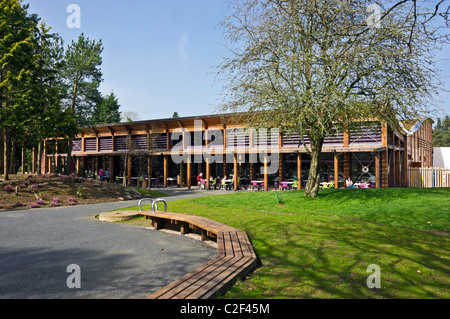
12	163
312	186
6	156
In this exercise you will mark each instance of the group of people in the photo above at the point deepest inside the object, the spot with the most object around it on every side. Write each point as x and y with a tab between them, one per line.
223	182
104	174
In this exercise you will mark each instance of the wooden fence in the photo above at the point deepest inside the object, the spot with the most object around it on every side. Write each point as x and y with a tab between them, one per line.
429	177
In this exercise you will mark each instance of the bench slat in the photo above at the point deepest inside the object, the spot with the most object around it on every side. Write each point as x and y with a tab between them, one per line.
235	258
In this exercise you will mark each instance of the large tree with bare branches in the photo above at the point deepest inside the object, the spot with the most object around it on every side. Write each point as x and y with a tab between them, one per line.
313	67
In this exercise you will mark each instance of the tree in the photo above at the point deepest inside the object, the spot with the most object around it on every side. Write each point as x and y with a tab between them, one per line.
314	67
107	111
82	72
175	115
18	62
441	132
83	75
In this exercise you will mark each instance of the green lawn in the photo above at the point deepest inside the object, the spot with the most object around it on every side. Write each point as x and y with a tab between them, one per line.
321	248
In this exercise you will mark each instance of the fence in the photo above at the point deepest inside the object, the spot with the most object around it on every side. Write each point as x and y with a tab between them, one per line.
429	177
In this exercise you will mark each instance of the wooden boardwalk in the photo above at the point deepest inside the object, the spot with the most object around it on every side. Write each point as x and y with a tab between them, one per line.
235	257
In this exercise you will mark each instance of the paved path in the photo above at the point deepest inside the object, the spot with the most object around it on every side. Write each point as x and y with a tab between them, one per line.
116	260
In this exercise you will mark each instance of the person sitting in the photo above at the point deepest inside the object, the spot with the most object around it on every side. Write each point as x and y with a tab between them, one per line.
199	180
349	183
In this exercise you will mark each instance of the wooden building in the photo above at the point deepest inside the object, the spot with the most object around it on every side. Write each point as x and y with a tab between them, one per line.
371	152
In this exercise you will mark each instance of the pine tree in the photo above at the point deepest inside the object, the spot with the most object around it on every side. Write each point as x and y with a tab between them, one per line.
107	111
18	62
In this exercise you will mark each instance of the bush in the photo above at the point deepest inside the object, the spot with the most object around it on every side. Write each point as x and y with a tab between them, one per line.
34	205
54	204
40	202
8	188
56	200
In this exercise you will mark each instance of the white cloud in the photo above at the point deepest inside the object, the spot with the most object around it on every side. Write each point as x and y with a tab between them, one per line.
182	44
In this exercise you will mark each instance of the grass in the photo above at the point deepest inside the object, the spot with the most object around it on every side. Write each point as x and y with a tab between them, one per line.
321	248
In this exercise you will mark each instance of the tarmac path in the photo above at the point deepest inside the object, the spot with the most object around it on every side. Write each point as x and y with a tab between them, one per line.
116	261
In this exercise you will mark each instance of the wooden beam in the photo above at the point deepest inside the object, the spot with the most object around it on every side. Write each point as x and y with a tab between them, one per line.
377	170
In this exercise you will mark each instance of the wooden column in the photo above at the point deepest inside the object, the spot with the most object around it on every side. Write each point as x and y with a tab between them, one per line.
188	172
129	169
208	167
78	165
266	175
405	163
299	170
166	169
181	174
377	170
280	168
336	170
236	173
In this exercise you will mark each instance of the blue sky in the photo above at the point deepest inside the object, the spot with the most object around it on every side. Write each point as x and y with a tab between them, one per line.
160	55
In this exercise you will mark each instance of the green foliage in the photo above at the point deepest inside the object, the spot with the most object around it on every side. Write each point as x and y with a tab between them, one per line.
83	76
441	132
107	111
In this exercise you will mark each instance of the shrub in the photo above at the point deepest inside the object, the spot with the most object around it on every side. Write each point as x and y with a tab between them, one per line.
34	186
40	202
8	188
56	200
71	199
72	203
20	204
34	205
54	204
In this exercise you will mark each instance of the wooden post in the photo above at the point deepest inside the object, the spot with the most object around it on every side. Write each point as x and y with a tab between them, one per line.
336	170
236	173
208	167
377	170
129	169
78	165
280	169
266	175
188	173
166	169
299	170
181	174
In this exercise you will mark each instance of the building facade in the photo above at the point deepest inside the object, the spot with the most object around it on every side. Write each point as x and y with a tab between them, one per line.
176	150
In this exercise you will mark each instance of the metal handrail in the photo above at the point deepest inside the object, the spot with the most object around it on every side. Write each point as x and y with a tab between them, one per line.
140	207
155	204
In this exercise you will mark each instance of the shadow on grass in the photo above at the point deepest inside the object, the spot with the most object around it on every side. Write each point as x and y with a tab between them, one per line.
323	258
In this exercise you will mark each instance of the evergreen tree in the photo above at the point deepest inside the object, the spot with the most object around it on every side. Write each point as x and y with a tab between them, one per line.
18	63
83	75
441	132
107	111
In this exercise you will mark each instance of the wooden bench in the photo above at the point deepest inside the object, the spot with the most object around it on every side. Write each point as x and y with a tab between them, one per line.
235	257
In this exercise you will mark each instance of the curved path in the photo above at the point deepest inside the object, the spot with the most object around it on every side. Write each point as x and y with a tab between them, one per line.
116	260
